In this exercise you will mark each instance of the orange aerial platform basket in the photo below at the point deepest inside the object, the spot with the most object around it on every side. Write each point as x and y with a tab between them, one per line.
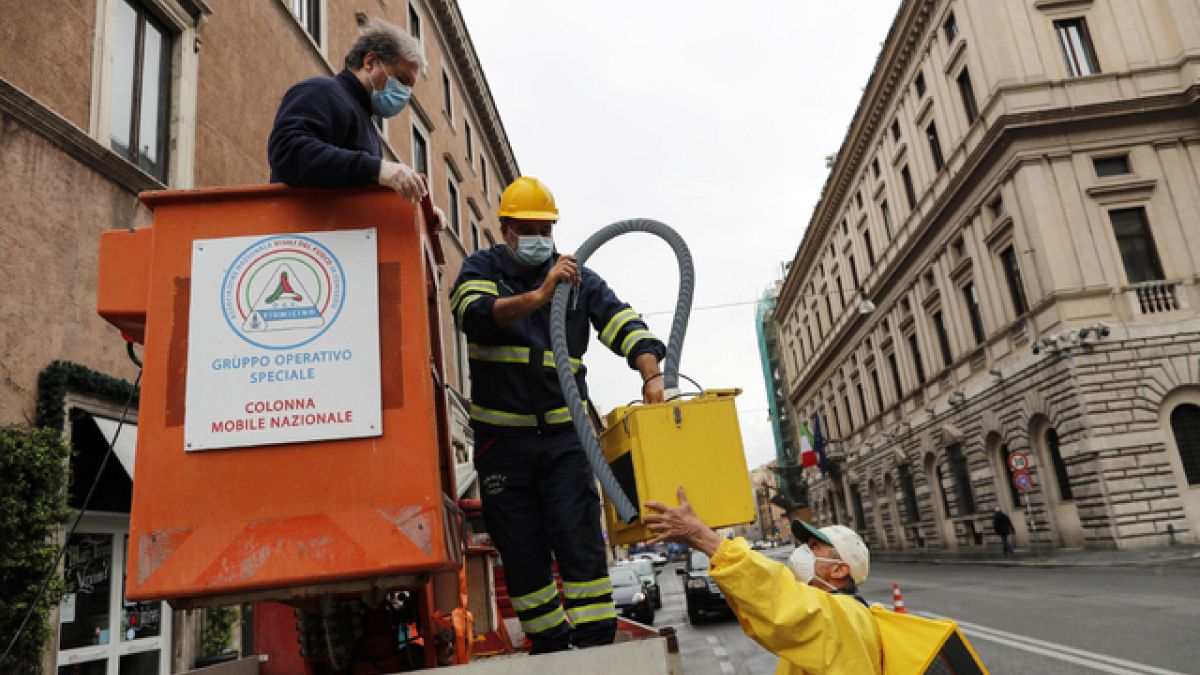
294	519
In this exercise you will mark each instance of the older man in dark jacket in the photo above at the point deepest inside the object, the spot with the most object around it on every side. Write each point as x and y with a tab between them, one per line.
323	135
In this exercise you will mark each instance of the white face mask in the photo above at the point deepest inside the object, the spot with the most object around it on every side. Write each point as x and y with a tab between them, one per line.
803	563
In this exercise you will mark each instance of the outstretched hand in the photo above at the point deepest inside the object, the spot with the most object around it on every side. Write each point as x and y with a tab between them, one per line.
681	525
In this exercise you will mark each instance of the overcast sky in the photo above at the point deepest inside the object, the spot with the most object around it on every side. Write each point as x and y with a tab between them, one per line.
714	121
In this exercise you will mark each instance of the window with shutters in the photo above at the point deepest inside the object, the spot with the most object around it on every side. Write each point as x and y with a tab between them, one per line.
1107	167
910	192
878	389
1138	252
935	146
453	213
308	15
950	28
895	370
939	327
1012	275
916	357
1077	49
967	93
974	311
140	94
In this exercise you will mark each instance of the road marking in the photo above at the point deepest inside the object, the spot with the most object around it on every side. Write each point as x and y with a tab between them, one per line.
720	652
713	639
1054	650
727	668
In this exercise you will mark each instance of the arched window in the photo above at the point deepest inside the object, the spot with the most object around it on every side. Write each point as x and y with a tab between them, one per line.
1060	467
937	470
909	493
1008	473
860	519
962	479
1185	424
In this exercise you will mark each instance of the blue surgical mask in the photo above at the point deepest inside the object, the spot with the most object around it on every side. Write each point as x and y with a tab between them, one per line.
393	98
533	251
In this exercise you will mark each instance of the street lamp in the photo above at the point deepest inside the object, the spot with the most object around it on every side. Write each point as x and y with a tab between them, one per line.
866	306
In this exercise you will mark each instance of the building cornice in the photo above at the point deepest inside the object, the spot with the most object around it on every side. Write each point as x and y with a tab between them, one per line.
886	78
466	60
74	141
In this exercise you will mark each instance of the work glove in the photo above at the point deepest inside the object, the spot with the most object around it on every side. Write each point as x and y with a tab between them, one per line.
401	178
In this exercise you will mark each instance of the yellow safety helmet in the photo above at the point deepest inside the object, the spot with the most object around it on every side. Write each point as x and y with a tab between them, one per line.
528	199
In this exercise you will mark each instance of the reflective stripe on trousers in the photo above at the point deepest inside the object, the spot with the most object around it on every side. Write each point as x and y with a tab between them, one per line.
539	597
544	622
587	589
589	601
594	612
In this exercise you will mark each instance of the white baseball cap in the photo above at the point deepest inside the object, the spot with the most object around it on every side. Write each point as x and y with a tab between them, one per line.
849	546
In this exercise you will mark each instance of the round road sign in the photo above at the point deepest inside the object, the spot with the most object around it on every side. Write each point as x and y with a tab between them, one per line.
1018	461
1022	480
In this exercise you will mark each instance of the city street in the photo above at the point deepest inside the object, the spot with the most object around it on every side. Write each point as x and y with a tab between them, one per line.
1061	621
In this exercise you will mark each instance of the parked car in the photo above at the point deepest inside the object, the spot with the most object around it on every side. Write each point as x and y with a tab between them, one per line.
676	552
654	557
630	597
700	590
649	578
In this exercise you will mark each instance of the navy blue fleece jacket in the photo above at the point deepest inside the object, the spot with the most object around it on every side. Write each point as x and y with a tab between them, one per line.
323	135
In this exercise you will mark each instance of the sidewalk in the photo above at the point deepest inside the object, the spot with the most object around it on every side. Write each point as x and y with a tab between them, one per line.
1182	555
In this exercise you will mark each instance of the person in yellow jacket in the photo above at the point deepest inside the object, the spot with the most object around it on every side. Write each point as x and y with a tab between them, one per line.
807	612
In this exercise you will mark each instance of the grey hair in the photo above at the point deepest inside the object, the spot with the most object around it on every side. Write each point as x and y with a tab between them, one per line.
386	41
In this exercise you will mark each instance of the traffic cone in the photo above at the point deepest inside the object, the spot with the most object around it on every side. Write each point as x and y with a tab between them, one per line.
897	600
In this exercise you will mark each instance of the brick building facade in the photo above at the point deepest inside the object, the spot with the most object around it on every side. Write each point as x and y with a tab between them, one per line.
101	99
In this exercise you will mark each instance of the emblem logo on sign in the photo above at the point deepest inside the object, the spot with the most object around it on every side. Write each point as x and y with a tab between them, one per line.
283	292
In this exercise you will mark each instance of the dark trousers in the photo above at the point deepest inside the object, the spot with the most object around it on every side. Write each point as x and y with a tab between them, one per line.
540	500
1007	547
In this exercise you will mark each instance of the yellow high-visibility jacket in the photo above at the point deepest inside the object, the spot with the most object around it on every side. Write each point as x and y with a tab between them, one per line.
812	632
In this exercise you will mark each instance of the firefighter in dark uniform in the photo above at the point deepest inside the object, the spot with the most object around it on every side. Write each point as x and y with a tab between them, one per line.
540	502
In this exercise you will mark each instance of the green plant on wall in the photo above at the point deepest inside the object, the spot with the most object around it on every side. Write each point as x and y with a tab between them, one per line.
217	635
33	506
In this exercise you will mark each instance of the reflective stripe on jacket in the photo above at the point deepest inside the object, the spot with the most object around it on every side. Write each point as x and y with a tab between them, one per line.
810	630
513	381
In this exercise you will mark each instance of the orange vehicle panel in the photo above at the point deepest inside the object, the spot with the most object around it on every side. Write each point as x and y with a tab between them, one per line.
269	521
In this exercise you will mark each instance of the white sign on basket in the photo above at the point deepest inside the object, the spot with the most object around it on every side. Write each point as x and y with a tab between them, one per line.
283	340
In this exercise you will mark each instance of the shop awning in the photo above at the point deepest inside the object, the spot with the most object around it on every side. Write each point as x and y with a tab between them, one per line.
126	446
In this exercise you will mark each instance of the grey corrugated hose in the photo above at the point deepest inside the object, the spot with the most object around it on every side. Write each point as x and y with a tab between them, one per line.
562	363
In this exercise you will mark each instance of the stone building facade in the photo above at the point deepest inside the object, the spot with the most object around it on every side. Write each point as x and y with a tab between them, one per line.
101	99
1016	198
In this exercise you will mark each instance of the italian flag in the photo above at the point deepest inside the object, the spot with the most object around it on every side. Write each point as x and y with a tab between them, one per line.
808	455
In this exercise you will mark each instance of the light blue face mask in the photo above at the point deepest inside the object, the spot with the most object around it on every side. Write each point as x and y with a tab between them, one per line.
533	251
393	98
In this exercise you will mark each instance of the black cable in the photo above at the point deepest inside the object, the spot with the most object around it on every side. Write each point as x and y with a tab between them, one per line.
133	355
694	383
82	509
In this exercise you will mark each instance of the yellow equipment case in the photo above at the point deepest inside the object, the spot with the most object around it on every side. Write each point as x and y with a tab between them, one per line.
697	443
